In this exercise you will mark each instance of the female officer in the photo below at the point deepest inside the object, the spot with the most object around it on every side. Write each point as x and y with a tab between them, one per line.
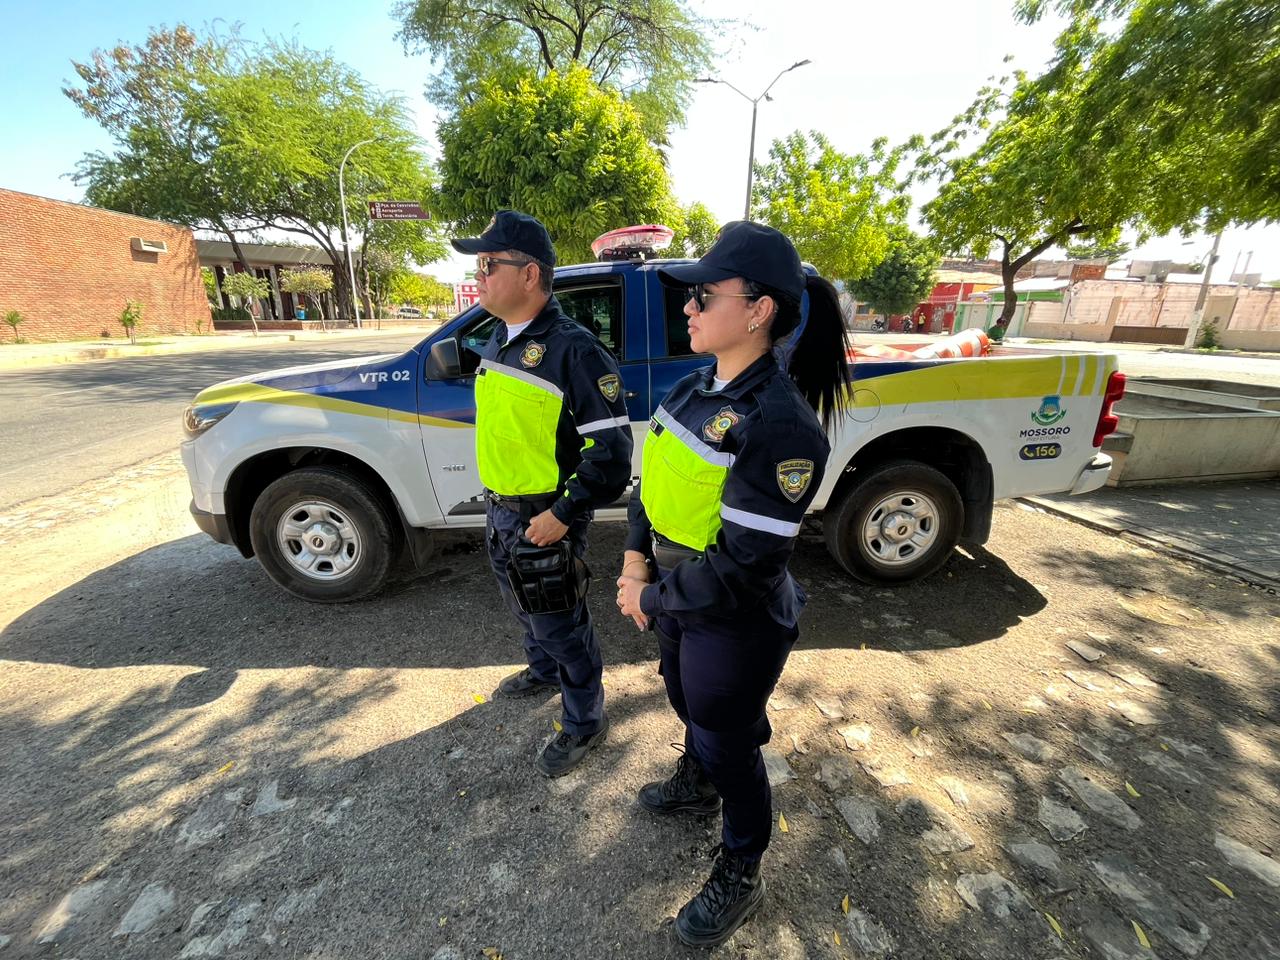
733	457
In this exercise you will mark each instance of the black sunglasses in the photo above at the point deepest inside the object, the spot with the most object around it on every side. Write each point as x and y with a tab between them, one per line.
700	295
485	264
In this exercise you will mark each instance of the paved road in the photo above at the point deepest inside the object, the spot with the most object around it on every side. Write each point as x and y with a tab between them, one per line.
64	426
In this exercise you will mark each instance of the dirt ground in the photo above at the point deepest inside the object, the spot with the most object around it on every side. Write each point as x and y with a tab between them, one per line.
197	765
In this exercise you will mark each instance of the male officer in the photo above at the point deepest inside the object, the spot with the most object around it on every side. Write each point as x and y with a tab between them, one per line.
553	442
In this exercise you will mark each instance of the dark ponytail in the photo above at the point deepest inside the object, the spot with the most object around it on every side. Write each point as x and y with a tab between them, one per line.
819	358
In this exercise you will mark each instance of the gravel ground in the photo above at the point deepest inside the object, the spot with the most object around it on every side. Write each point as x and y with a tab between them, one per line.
198	765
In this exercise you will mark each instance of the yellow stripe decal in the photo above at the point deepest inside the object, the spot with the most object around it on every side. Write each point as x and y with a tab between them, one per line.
259	393
964	380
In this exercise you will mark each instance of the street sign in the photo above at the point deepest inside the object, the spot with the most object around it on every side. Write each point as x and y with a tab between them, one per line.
397	210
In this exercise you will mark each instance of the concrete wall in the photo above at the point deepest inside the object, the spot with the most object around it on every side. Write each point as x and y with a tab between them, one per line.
70	269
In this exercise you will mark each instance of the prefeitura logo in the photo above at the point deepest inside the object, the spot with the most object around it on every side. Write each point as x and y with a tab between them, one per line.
1050	411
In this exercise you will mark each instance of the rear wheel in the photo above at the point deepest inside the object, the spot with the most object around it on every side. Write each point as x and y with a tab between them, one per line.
898	522
323	535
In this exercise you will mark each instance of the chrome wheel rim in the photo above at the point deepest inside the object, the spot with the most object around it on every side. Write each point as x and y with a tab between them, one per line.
319	540
901	528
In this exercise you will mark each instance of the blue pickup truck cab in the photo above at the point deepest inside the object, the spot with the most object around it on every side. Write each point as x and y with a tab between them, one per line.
328	473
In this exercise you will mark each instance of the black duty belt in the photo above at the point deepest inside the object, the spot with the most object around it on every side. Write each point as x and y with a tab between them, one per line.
527	506
667	553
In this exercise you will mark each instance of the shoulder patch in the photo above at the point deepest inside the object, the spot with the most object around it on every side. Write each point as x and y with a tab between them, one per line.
794	477
717	425
609	385
533	354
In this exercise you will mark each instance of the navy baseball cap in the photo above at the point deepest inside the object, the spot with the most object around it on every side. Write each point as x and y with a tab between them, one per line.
747	249
511	230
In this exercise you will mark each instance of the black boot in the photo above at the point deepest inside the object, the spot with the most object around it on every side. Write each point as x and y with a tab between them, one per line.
731	894
686	791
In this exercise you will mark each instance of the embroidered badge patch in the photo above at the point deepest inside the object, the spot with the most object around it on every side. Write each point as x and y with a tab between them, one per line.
533	354
609	386
794	477
716	427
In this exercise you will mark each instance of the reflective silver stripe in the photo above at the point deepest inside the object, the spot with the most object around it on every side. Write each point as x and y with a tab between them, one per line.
595	425
524	376
691	440
756	522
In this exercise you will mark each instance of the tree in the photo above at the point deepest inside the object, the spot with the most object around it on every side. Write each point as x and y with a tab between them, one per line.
903	278
13	318
836	207
390	246
1021	188
652	50
130	316
559	148
210	282
248	288
239	137
696	232
1187	88
407	287
311	282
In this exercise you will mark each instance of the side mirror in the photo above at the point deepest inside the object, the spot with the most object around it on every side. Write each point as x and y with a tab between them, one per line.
444	362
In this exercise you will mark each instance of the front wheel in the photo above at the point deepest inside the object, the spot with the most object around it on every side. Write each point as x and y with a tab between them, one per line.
323	535
897	523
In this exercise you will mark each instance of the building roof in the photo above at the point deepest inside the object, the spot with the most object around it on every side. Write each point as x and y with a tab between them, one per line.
262	253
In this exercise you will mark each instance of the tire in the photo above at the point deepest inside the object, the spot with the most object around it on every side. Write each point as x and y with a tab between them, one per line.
322	534
896	523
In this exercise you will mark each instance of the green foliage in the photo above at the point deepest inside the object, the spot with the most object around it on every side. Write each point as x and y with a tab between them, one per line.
414	289
560	148
1182	93
246	286
837	208
1208	336
230	316
1098	250
903	278
996	332
130	316
210	281
651	50
13	318
310	281
695	232
222	134
1021	188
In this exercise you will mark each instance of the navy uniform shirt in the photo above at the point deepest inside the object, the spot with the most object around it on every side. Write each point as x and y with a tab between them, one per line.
779	452
593	437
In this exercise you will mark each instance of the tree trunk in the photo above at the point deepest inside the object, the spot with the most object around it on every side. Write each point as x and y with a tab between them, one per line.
244	264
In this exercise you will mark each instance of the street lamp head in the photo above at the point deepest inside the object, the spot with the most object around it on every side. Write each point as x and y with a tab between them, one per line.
706	80
802	63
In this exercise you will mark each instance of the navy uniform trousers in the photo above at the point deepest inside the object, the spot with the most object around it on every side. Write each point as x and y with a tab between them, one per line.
559	647
719	675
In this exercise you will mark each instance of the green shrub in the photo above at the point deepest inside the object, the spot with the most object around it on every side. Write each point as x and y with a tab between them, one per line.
129	317
1208	338
996	332
13	318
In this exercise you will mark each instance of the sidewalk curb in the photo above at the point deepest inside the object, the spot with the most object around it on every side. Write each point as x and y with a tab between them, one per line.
212	344
1154	540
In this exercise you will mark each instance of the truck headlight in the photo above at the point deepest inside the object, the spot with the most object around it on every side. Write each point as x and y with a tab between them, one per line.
197	419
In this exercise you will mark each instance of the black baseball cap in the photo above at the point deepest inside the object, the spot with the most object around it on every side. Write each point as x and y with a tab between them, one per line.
747	249
511	230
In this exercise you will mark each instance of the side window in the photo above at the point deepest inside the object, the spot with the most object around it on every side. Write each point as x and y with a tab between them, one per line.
473	339
674	299
599	309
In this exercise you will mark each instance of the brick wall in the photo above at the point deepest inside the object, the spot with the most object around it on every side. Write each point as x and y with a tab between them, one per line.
69	269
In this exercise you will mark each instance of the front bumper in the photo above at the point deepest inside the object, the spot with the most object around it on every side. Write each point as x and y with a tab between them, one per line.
1094	475
214	524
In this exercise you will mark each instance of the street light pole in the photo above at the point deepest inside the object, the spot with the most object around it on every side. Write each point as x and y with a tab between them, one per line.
755	105
346	244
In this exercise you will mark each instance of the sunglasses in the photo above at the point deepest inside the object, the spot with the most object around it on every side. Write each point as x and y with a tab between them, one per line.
699	294
485	265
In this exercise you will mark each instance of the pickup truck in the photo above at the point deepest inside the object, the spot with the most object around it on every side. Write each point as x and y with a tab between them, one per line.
330	473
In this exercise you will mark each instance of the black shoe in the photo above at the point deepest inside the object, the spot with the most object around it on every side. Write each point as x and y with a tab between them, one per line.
566	751
731	894
523	683
686	791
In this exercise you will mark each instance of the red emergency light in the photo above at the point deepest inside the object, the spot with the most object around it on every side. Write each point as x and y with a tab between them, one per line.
632	243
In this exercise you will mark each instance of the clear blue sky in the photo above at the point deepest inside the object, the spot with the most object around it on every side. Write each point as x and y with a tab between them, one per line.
878	70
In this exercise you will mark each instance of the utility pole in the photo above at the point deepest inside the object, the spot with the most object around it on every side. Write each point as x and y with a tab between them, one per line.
1197	318
755	105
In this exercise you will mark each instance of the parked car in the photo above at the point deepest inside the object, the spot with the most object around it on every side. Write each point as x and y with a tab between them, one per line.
412	312
326	472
